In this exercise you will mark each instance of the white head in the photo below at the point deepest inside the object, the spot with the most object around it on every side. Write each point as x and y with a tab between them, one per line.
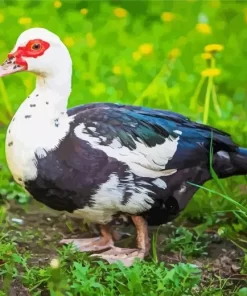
40	51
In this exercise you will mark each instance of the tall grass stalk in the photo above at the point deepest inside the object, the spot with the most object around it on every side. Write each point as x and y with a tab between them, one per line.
207	100
215	177
194	99
154	245
215	101
211	91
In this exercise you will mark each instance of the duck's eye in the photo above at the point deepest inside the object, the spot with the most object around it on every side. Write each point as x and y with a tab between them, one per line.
36	46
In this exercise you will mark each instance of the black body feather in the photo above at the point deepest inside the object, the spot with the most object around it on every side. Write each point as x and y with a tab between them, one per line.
69	176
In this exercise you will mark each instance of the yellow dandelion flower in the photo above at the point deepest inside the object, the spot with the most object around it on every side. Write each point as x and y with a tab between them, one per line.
84	11
25	21
146	48
203	28
57	4
174	53
120	12
116	70
211	72
167	16
136	56
213	48
1	18
69	41
206	56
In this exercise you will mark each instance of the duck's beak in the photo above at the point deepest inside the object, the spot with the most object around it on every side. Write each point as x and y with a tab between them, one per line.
10	66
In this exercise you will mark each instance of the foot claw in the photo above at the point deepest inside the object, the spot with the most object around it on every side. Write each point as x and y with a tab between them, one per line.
88	244
126	256
78	242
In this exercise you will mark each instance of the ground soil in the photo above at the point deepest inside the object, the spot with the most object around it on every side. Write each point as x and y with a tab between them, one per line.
38	229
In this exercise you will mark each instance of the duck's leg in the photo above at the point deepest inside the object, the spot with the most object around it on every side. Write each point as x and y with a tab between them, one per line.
128	256
103	242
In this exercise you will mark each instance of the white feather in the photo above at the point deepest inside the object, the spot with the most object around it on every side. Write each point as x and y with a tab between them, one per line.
223	154
178	132
108	200
160	183
32	136
143	161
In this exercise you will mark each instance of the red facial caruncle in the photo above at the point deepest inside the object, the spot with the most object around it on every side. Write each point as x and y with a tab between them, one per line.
33	49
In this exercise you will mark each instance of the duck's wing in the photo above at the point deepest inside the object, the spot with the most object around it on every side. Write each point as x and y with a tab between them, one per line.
142	110
152	142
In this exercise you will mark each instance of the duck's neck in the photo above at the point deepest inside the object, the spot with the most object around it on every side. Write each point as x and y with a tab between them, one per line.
46	105
54	90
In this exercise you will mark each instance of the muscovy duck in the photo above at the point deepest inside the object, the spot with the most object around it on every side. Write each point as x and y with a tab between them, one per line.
103	162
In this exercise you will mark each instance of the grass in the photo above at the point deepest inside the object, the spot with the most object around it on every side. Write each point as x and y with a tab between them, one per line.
154	55
78	276
65	271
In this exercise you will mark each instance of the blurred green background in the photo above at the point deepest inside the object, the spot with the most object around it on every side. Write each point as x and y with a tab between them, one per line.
149	53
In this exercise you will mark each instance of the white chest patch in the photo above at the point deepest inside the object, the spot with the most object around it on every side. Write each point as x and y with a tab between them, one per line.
33	131
143	161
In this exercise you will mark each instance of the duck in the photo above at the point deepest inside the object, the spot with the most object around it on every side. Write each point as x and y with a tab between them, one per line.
106	163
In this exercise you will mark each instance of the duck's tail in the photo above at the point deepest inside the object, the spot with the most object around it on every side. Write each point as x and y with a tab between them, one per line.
227	164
